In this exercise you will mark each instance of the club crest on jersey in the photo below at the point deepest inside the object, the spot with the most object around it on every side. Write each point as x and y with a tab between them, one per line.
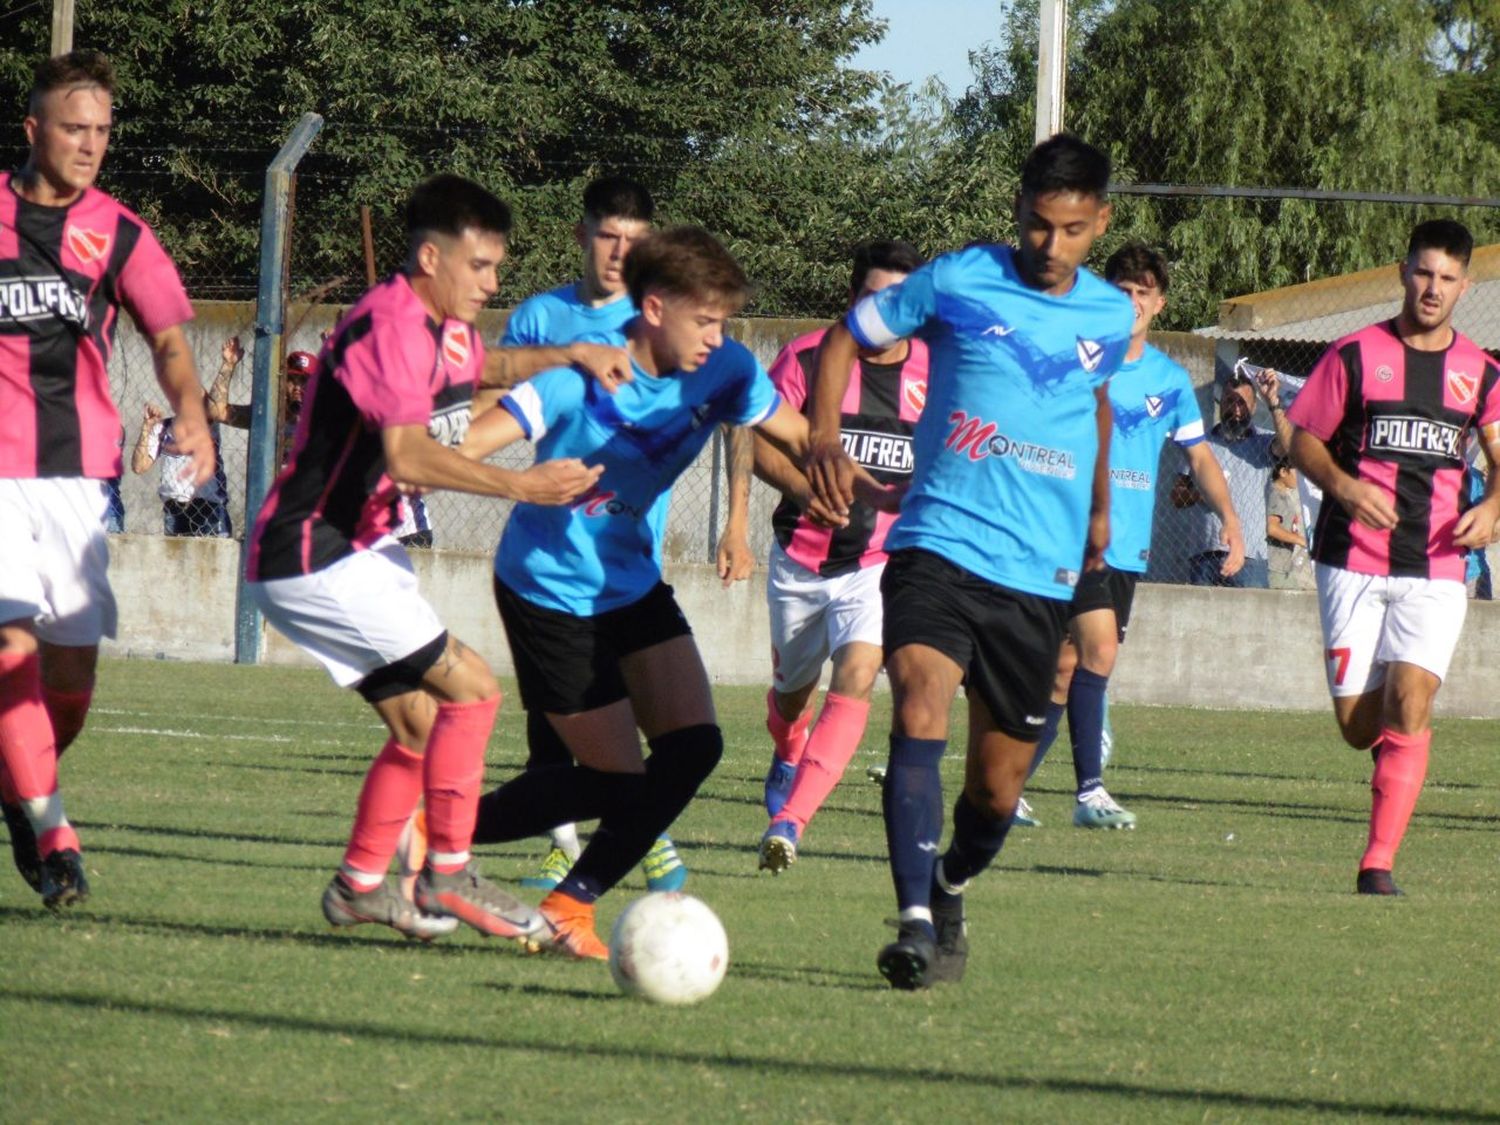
915	394
1463	386
456	344
87	245
1384	374
1154	404
599	502
1090	354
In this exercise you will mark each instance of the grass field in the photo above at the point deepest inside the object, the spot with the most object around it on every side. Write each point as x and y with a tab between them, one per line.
1212	965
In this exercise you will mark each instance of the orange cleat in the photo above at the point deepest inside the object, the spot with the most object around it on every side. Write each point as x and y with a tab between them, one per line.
573	925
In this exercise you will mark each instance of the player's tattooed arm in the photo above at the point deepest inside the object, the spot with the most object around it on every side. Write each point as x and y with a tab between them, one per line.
505	367
734	561
1214	489
178	377
1364	501
415	461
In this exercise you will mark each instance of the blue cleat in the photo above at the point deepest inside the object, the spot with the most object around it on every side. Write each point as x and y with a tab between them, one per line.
1025	815
1097	809
778	847
664	868
779	780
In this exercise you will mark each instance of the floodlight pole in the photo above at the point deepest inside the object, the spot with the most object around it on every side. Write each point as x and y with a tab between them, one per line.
265	378
62	27
1051	68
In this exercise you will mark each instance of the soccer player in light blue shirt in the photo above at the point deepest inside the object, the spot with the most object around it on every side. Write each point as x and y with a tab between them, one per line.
1152	401
1009	501
599	643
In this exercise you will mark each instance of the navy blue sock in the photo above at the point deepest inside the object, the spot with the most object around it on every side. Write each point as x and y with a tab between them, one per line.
545	796
680	762
977	839
1055	713
912	799
1086	722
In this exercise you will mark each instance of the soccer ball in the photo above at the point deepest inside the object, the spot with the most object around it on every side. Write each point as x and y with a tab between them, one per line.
668	948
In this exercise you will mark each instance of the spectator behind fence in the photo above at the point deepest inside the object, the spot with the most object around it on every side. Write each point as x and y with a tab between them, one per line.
1287	564
415	526
1244	453
299	367
187	509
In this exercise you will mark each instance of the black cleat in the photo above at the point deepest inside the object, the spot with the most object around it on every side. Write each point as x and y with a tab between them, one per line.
1376	881
23	845
63	881
906	963
952	937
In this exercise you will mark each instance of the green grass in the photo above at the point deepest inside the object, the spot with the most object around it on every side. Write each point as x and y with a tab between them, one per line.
1212	965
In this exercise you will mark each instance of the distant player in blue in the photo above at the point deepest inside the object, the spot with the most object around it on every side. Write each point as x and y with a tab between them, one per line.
599	644
1152	400
583	323
1009	501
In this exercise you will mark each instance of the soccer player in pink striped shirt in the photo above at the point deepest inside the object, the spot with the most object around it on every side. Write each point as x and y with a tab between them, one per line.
1381	428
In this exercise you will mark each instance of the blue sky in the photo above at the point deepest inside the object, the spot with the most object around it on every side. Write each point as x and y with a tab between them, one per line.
932	37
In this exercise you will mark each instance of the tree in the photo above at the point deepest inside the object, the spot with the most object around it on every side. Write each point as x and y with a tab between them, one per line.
531	97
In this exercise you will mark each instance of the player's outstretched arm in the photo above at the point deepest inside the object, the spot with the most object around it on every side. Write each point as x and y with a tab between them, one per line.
1362	500
179	382
415	460
733	559
505	367
829	469
786	436
1209	480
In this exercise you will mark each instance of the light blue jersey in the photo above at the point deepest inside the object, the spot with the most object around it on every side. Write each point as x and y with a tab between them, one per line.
1007	442
1152	401
604	551
559	317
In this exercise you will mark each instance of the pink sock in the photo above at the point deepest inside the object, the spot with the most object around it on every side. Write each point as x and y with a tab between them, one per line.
26	743
835	737
451	778
68	710
1399	773
391	791
790	738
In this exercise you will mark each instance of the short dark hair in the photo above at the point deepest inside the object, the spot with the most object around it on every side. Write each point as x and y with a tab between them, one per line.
1448	235
617	197
448	204
685	262
1135	261
883	254
1065	163
76	68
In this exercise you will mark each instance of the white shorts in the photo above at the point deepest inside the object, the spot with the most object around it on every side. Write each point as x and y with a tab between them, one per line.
54	560
1370	621
355	616
812	616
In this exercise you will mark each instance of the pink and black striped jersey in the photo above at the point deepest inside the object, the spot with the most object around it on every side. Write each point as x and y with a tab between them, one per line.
1398	418
64	274
879	412
388	363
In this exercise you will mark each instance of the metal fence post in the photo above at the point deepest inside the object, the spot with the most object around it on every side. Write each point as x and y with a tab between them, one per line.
270	320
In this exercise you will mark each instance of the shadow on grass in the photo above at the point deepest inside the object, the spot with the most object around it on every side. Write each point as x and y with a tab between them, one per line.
212	861
517	988
1257	775
805	976
404	1036
205	834
363	939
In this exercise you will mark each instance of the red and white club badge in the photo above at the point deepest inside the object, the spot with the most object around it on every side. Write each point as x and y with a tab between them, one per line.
915	393
87	245
1463	386
456	344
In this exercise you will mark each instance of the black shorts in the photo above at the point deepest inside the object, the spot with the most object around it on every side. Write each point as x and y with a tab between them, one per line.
1106	589
566	664
1005	641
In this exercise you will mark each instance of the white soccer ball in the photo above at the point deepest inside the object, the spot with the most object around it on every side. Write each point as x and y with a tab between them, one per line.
668	948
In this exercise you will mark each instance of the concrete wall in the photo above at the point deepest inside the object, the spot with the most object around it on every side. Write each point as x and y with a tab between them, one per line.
1190	647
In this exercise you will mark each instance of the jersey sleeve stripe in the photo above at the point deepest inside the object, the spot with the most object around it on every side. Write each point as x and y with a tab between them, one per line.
1191	434
771	408
867	327
526	405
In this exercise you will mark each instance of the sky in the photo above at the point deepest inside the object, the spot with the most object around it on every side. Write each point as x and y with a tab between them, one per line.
928	37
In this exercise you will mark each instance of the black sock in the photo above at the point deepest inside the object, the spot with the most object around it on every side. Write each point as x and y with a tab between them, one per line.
545	796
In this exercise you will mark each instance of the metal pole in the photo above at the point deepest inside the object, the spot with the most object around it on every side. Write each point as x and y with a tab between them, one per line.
716	486
62	27
1051	68
367	230
270	320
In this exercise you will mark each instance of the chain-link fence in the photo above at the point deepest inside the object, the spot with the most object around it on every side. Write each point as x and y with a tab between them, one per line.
331	258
